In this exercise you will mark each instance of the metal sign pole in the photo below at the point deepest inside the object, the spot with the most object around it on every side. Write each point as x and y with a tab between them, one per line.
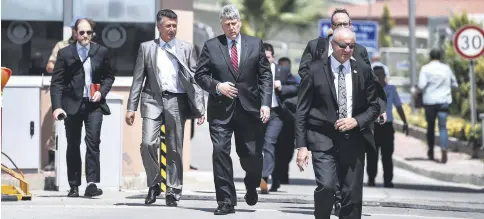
472	95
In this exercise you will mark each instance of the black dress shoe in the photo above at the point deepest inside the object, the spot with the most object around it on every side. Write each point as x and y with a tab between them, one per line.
171	201
251	197
92	190
74	192
275	185
371	183
388	185
224	209
152	193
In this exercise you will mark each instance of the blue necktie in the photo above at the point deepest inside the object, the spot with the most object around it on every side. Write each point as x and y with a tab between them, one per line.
83	53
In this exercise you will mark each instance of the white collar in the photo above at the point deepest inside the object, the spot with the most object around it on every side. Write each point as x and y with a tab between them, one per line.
237	40
335	65
79	46
171	42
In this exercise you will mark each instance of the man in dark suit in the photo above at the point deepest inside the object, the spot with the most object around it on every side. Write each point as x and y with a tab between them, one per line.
235	72
337	103
77	67
317	47
285	86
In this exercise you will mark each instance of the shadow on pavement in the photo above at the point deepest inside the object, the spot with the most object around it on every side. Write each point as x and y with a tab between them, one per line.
306	212
139	204
432	188
419	159
292	181
211	210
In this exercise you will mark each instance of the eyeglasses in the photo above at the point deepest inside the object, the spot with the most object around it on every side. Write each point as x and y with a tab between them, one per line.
342	24
344	45
89	32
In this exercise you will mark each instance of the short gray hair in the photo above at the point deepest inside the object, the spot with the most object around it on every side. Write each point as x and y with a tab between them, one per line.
229	12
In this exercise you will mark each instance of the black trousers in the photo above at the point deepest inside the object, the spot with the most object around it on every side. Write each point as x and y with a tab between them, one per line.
91	115
343	164
384	141
249	141
284	152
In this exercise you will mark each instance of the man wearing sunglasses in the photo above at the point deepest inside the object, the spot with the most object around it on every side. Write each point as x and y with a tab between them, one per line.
316	47
79	66
337	102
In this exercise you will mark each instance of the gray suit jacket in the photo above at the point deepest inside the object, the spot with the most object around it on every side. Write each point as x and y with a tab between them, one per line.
151	97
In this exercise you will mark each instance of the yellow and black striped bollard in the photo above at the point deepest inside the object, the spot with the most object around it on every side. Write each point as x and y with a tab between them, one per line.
163	159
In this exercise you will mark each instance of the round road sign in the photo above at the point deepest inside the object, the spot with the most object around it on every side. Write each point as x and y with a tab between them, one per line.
469	42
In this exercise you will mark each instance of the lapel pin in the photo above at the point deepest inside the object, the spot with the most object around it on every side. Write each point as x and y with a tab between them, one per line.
354	71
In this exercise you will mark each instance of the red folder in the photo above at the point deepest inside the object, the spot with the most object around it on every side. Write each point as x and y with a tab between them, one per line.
94	88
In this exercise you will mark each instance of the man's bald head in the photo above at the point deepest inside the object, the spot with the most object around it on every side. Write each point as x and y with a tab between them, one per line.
344	33
343	44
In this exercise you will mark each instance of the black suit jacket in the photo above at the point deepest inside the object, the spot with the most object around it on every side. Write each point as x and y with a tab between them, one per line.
317	49
67	84
253	81
289	84
317	107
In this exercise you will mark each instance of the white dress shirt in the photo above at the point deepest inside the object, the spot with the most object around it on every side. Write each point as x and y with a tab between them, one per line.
348	81
238	45
168	67
274	99
87	68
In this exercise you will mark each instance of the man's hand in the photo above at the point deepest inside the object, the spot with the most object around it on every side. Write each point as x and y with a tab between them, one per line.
201	120
277	85
405	128
96	97
57	112
384	115
345	124
228	89
265	113
302	158
130	118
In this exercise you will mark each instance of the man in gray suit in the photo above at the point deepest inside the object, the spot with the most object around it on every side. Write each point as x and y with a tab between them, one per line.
170	96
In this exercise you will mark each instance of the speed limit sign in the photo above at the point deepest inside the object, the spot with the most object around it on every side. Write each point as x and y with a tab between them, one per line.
469	42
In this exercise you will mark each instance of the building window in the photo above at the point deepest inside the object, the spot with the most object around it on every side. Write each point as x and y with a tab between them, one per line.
27	45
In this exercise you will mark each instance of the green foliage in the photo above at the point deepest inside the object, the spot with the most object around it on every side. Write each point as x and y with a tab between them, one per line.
261	18
386	25
461	100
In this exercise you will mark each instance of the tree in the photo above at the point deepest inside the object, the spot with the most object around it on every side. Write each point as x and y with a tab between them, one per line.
386	25
262	18
460	97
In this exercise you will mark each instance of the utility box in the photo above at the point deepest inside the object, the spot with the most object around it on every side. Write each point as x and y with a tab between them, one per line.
21	123
110	149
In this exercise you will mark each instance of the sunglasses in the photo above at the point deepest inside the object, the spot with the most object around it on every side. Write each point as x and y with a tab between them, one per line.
344	45
89	32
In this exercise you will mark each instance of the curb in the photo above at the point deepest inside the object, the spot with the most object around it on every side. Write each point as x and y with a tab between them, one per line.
455	145
389	204
447	177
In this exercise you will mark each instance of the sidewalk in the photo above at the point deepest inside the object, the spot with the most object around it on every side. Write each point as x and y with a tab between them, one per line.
411	154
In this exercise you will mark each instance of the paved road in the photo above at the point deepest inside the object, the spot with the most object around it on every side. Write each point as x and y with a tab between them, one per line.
415	196
117	206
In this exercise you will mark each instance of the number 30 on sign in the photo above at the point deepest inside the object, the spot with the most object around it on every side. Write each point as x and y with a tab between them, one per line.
469	42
